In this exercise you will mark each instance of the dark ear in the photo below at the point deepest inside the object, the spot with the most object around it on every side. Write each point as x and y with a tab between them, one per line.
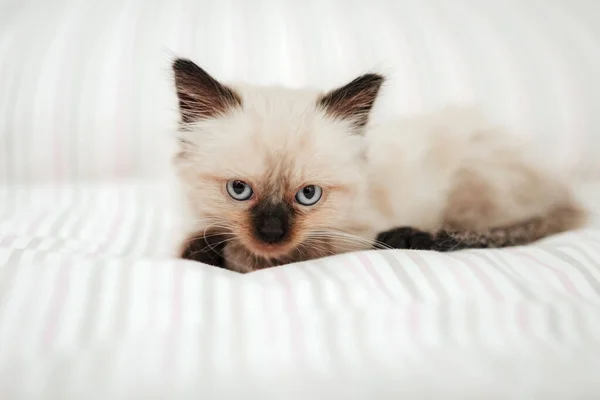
200	95
354	100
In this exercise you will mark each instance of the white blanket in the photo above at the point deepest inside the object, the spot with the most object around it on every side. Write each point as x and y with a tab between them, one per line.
93	306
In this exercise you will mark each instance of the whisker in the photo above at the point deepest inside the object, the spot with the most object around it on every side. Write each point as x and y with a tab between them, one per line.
318	246
207	236
343	238
341	244
338	235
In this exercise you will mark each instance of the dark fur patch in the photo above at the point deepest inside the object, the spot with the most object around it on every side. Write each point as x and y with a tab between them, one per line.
272	222
200	95
561	219
414	239
354	100
206	248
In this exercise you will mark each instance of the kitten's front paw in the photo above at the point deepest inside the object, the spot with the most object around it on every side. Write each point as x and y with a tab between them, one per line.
206	250
407	238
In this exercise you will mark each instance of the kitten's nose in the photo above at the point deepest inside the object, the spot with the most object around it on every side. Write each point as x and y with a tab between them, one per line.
271	230
271	221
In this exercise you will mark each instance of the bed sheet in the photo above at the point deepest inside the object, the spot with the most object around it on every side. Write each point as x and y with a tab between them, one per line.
92	305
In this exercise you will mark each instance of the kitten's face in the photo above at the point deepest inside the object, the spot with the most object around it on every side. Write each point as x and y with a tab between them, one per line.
278	170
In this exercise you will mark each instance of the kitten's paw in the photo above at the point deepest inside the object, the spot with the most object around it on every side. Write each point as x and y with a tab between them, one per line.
200	250
407	238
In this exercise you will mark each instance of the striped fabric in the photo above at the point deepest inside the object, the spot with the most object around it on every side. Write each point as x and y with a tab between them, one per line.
86	88
92	305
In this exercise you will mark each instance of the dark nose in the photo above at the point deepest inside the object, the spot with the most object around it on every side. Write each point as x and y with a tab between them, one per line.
271	221
271	230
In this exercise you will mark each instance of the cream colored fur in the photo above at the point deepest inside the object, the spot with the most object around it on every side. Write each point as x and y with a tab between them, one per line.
453	168
447	169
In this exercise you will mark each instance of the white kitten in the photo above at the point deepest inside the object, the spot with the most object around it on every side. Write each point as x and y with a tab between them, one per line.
276	175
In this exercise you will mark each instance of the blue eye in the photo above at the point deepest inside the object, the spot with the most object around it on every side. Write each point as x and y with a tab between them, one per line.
309	195
239	190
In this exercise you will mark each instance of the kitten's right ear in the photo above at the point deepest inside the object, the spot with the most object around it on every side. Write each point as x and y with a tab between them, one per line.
200	95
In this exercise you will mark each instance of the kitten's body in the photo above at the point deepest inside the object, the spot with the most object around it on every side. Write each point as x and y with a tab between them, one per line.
453	170
447	172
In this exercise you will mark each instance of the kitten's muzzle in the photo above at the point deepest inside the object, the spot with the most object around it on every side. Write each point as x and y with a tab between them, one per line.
271	222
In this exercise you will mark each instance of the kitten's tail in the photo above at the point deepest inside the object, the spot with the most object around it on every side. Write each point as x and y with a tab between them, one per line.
562	218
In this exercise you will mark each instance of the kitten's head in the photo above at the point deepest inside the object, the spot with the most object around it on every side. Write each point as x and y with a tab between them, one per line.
280	170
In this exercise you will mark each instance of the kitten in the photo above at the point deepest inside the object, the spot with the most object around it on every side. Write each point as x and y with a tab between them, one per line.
276	175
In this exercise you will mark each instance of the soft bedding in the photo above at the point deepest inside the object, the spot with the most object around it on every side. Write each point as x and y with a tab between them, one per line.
92	305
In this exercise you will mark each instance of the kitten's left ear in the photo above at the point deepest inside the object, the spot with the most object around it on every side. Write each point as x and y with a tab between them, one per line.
353	101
